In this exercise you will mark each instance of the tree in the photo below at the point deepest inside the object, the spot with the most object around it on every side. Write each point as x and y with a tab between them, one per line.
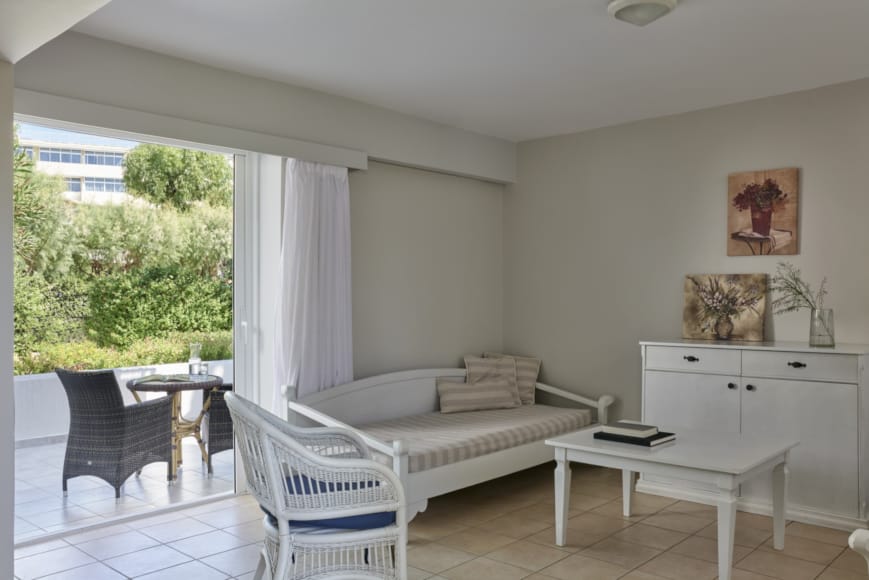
169	176
40	219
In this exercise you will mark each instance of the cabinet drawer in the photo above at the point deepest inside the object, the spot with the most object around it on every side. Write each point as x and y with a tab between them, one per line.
702	360
839	368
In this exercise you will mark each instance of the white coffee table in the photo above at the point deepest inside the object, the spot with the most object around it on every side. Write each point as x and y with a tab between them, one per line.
722	460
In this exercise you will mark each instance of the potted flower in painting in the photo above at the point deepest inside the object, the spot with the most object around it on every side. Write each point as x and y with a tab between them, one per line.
722	298
761	199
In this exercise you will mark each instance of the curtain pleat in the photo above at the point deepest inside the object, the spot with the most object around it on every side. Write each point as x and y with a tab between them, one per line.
314	332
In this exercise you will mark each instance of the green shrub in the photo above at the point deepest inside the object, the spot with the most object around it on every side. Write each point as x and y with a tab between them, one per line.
155	303
87	355
47	312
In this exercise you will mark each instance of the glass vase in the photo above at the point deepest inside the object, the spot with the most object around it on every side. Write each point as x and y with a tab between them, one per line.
821	328
194	363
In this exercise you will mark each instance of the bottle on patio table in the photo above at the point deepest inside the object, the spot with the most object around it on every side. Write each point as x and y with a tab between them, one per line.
194	363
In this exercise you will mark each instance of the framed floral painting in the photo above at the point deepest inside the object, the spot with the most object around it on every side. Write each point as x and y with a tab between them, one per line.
762	212
724	306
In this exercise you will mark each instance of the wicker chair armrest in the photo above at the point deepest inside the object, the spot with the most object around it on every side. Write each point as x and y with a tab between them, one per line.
330	442
325	441
153	412
339	488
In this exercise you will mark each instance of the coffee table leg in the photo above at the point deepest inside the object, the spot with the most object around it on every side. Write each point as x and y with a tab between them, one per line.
627	491
726	529
562	496
779	499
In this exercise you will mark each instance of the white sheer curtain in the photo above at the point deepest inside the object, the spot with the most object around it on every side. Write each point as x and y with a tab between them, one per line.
313	330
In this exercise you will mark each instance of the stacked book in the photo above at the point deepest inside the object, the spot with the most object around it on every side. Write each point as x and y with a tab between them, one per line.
634	433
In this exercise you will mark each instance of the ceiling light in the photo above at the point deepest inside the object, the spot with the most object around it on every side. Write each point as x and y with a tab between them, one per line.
640	12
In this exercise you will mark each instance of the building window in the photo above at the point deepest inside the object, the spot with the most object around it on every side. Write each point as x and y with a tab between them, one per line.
28	150
104	184
103	158
73	184
54	155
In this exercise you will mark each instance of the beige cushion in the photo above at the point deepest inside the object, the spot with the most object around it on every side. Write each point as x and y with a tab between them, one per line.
527	371
437	439
491	371
457	396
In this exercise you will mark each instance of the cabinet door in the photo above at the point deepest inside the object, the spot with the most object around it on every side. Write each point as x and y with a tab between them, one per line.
824	416
691	401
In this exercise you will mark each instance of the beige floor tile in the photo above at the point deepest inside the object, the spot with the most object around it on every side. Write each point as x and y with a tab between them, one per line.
615	509
744	535
601	490
678	522
692	509
737	574
821	534
485	569
637	575
582	502
417	574
514	526
806	549
528	555
592	522
624	554
436	558
837	574
433	529
578	567
547	538
677	567
650	536
779	566
756	521
849	560
476	541
706	549
544	512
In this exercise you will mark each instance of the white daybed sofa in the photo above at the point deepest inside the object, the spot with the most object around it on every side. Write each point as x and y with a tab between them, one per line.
398	416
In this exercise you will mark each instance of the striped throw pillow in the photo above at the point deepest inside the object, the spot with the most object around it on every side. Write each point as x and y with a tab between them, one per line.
458	397
491	372
527	371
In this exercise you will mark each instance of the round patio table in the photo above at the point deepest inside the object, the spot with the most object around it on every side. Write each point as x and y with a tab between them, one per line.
174	385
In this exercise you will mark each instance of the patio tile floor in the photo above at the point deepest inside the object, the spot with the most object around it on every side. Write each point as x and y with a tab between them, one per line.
40	507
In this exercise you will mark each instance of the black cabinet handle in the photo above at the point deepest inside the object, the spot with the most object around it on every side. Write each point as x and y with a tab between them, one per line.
691	358
750	387
797	365
731	386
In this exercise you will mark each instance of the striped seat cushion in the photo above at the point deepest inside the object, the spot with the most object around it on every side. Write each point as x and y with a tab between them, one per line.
436	439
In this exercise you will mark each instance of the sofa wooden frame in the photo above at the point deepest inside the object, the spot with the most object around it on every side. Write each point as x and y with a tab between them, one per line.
414	392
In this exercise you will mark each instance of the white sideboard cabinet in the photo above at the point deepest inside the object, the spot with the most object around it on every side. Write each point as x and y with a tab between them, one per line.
816	395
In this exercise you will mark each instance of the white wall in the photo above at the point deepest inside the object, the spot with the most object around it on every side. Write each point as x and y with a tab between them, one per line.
98	71
602	227
427	268
7	416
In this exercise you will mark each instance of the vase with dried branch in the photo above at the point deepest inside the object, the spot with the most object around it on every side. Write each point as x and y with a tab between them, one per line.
792	293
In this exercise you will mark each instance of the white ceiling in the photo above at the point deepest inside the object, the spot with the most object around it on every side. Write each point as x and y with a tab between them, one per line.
25	26
517	69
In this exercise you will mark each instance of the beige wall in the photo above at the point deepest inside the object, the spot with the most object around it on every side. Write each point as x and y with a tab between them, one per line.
97	71
427	268
602	227
7	416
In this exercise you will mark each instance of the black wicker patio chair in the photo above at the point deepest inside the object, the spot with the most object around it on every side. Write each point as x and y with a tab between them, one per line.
218	431
107	439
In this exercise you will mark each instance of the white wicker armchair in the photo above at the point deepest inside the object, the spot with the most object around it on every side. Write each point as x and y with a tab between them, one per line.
332	511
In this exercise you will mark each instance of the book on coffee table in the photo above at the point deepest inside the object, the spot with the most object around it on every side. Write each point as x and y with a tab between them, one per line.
650	441
629	429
